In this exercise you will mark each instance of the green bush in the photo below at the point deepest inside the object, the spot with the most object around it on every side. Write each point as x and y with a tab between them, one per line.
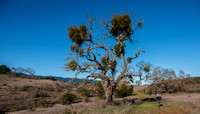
100	90
44	103
4	69
124	90
68	98
83	91
150	89
52	78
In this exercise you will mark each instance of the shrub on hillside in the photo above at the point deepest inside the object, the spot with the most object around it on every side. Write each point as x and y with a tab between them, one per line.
124	90
68	98
83	91
44	103
100	90
52	78
149	90
4	69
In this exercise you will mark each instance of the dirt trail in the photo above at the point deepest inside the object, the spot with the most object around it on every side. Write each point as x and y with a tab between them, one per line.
169	109
177	111
161	111
174	111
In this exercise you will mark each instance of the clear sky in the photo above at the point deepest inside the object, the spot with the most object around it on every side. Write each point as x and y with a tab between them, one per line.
33	32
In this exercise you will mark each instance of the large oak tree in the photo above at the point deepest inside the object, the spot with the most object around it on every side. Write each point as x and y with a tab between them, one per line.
98	50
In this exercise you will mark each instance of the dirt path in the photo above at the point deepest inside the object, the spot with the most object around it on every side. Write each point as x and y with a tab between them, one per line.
161	111
172	111
177	111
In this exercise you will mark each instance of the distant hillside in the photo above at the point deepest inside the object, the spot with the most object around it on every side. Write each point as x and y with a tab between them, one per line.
76	80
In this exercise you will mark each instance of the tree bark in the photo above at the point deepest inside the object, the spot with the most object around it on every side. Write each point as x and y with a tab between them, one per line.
109	92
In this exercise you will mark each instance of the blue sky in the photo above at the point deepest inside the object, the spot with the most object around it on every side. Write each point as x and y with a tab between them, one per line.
33	32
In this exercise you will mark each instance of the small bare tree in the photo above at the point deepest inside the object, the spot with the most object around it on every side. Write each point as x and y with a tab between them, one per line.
30	71
166	80
23	71
104	57
18	70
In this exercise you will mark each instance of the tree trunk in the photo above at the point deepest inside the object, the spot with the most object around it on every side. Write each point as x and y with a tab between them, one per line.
109	92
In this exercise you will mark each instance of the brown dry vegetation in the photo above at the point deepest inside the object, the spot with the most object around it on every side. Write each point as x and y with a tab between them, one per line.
39	96
172	104
20	94
187	102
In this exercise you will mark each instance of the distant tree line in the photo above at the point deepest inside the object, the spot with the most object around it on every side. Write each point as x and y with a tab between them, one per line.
17	71
22	72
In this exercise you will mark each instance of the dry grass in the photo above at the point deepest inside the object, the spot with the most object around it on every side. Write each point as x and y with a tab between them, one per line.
21	94
35	96
56	109
187	102
183	97
140	87
173	103
59	109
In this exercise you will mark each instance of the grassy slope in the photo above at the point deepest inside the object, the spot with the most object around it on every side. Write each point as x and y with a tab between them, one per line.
20	94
